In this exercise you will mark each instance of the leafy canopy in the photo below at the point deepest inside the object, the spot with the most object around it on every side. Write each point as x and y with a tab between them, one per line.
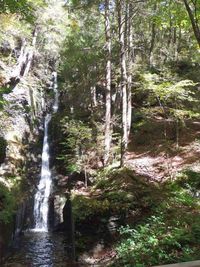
25	8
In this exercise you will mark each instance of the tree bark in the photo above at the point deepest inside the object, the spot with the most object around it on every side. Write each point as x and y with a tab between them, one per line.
93	96
122	37
193	20
24	60
30	54
108	83
153	37
130	67
16	74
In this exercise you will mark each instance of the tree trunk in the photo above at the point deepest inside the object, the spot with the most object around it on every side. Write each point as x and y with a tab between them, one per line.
16	74
193	19
30	54
153	37
122	37
24	60
93	96
108	83
130	67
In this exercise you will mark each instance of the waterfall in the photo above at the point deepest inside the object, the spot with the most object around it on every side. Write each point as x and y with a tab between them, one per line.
41	202
55	88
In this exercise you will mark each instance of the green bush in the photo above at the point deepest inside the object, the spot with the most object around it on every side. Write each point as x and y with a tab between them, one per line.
76	145
158	242
84	207
189	180
171	234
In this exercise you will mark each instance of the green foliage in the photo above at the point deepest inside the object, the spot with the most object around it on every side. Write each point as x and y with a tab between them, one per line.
157	242
23	7
116	192
77	145
167	96
12	30
83	56
3	90
126	191
54	22
161	16
190	180
84	207
79	134
171	234
7	204
167	91
188	70
164	225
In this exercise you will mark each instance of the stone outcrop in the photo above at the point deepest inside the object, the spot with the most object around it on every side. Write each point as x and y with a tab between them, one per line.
21	118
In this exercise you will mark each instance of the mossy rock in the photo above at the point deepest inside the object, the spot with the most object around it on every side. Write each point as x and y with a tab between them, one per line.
7	204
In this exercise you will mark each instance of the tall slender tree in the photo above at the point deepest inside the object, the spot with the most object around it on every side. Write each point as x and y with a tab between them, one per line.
122	26
108	82
130	56
193	12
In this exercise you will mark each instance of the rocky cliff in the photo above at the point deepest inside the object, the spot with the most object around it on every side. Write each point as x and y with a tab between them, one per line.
23	97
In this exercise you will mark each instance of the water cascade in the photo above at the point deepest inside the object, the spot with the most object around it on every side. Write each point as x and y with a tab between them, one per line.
41	247
41	202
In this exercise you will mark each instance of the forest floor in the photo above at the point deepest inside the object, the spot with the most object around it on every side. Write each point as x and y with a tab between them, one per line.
153	162
156	158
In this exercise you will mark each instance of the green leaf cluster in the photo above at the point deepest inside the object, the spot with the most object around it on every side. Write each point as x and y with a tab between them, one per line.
22	7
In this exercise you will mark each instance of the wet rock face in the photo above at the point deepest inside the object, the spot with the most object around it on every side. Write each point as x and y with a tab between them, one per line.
6	231
17	127
57	211
5	48
20	149
3	145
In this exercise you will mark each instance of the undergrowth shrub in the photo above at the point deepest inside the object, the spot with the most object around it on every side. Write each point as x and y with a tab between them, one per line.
170	234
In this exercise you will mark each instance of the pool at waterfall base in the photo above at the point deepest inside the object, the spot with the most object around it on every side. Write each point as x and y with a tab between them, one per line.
40	249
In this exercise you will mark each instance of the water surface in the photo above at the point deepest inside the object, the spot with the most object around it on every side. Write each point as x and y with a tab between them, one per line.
40	249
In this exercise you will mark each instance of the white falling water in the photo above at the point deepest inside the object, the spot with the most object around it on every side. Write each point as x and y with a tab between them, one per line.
41	203
55	88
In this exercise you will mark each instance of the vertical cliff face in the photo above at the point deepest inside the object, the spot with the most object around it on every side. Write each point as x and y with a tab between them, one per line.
25	73
29	53
21	116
